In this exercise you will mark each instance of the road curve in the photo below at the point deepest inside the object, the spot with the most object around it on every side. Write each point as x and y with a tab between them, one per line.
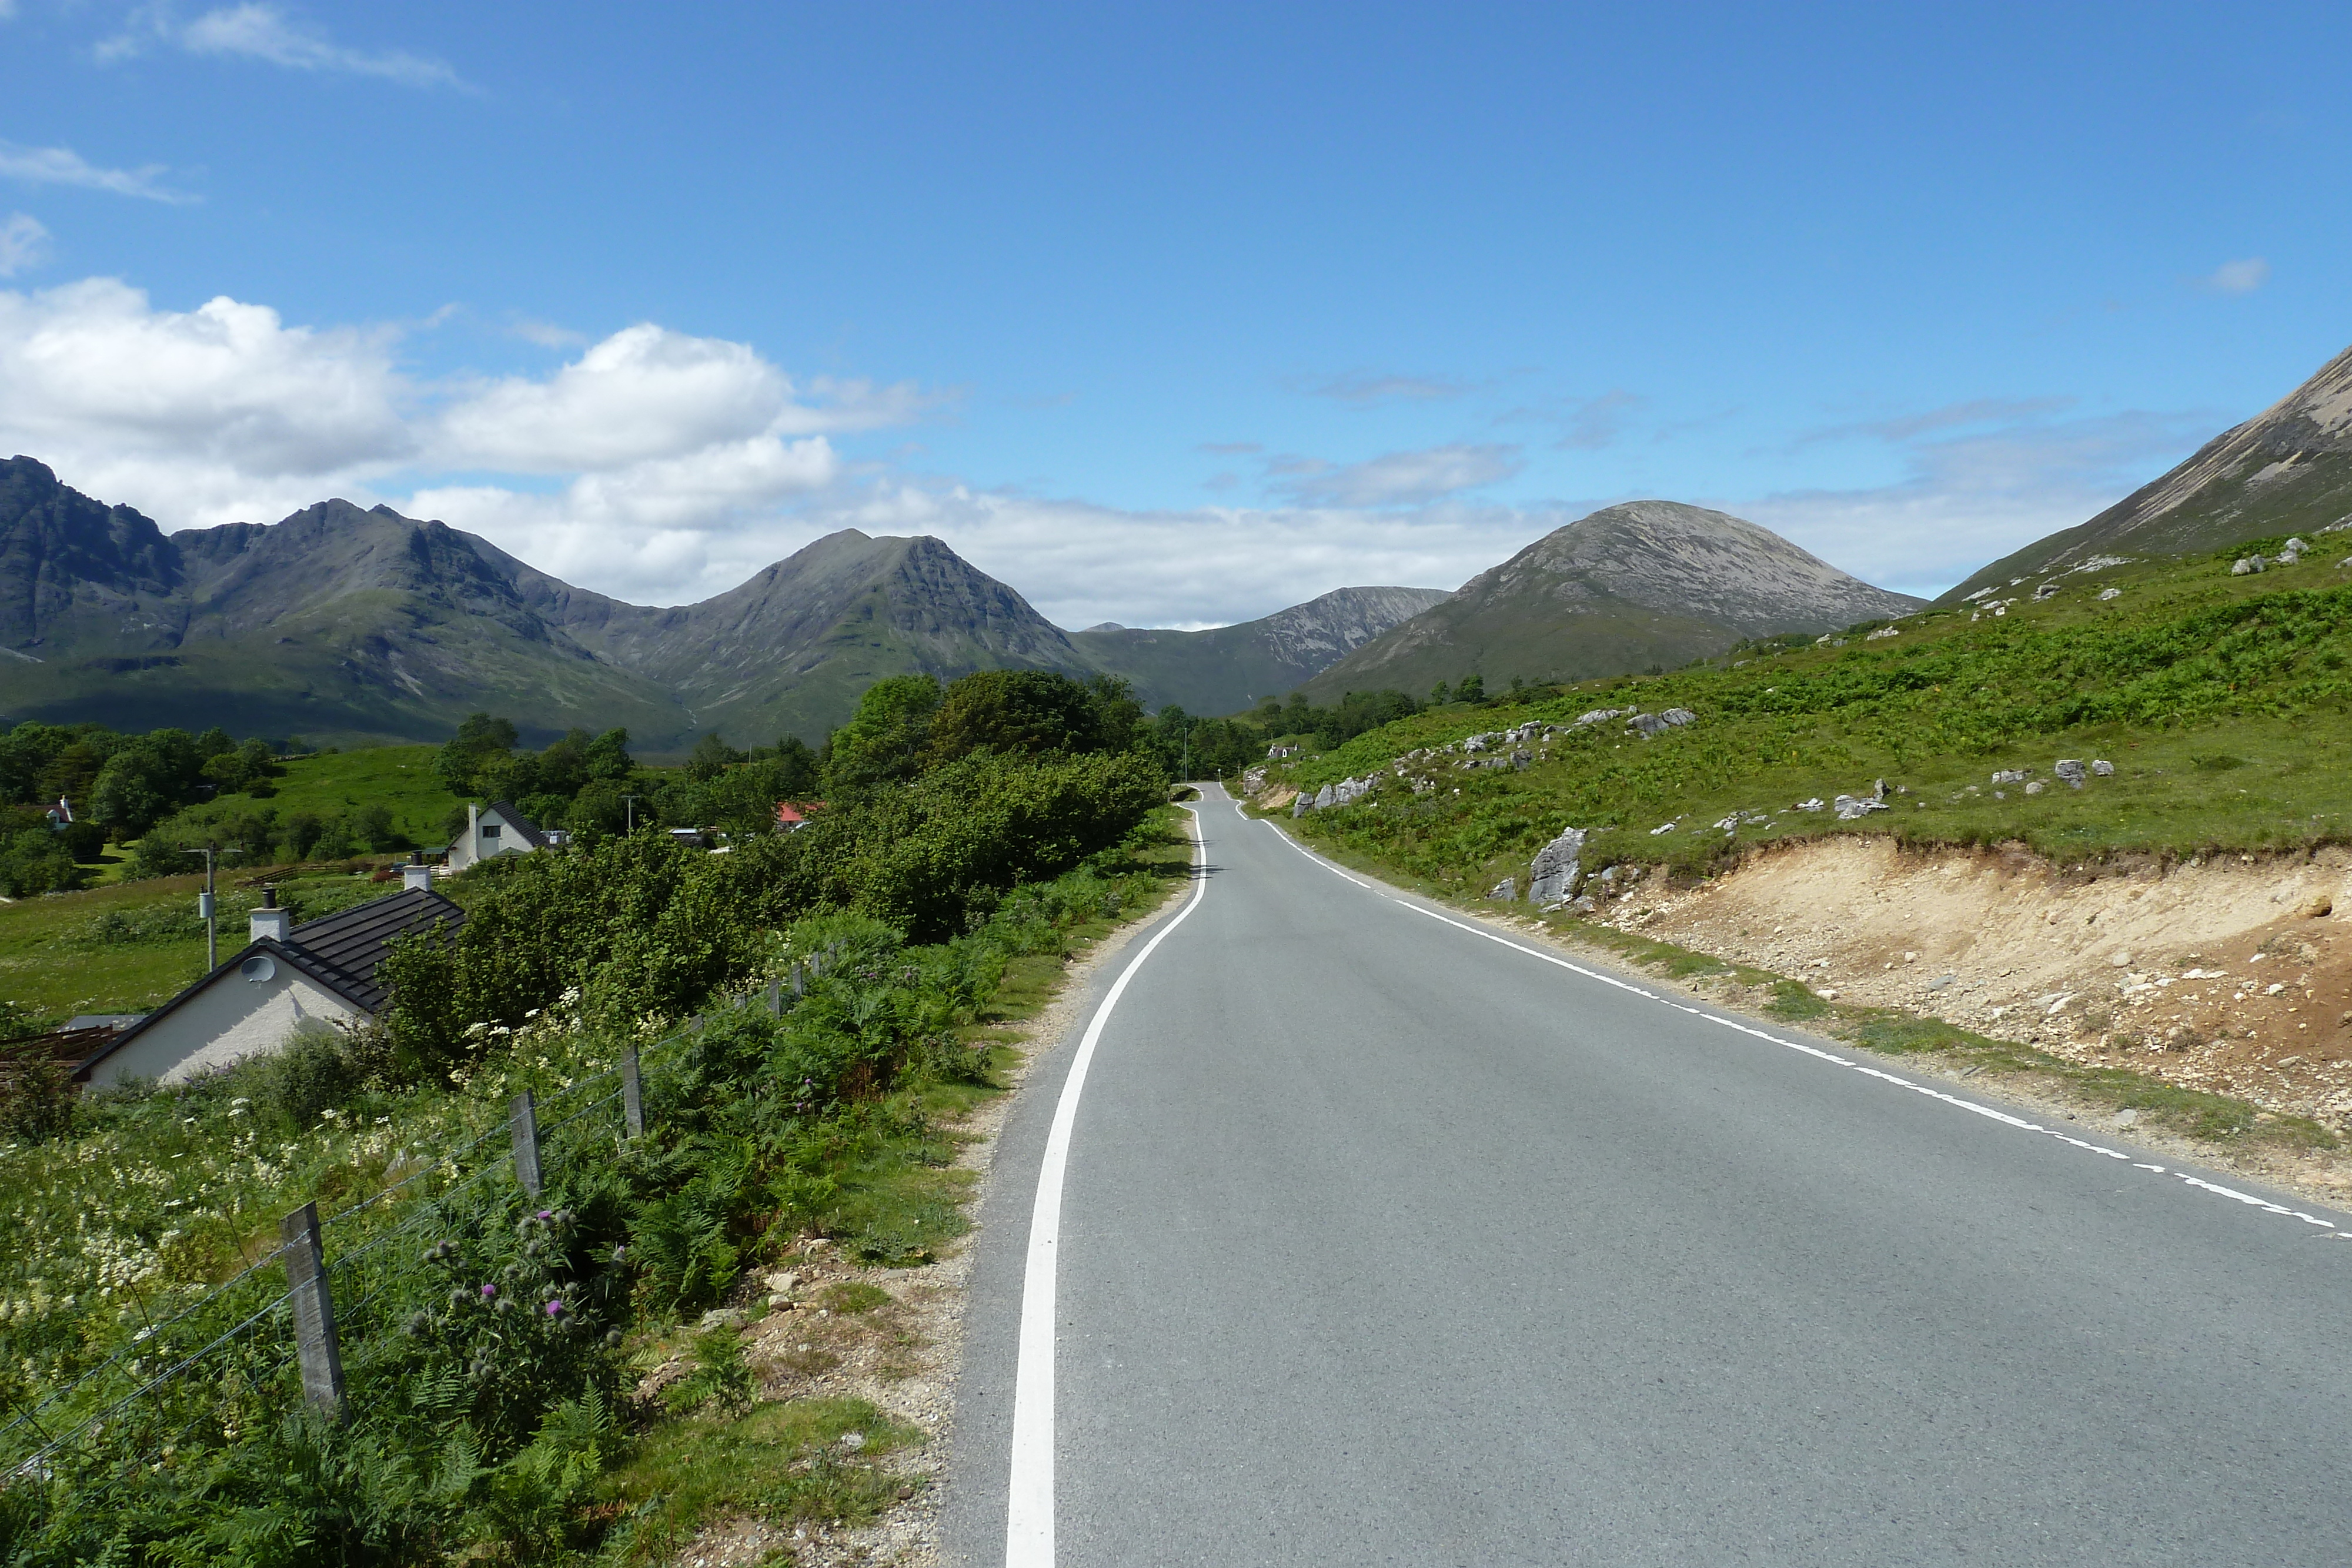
1382	1241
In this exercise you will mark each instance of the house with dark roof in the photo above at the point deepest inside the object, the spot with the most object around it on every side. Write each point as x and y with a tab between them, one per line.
496	828
324	969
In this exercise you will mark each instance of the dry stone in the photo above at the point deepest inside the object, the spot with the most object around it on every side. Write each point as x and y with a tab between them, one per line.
2070	769
1556	870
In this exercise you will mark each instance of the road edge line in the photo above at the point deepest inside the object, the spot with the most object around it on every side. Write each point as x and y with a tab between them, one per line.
1029	1487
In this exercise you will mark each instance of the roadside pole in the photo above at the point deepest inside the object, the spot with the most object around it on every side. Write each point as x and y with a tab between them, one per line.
204	906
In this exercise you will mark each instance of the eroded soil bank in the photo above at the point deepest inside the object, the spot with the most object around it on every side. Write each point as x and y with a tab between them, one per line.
2231	974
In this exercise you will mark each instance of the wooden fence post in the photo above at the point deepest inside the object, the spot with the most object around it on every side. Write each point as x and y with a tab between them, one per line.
776	999
314	1312
526	1142
633	1093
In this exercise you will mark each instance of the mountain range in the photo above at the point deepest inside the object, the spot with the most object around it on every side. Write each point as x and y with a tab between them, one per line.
349	624
346	624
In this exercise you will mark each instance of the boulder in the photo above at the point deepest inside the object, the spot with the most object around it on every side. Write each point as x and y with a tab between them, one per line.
2010	776
2107	593
1507	889
1324	796
1679	716
2070	769
1849	807
1556	870
1301	806
2246	564
2103	768
2034	788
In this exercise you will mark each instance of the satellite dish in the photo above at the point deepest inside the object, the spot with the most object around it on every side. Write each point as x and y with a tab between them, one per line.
258	968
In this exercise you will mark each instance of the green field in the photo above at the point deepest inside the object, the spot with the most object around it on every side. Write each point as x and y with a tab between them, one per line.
130	947
2224	703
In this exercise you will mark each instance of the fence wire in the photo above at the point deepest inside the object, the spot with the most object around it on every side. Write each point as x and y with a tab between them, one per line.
431	1206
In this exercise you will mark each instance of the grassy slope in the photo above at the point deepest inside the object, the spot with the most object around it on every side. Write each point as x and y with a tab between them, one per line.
182	1191
2223	702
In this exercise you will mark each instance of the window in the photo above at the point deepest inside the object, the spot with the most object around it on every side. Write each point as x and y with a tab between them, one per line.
489	829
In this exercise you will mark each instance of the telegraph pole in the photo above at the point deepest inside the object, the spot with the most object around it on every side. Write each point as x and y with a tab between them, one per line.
205	907
629	809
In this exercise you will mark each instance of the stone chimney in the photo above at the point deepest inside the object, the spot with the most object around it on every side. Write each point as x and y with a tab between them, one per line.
417	876
473	835
269	920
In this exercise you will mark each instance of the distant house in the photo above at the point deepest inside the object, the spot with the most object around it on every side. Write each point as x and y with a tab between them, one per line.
791	819
496	828
323	969
1274	751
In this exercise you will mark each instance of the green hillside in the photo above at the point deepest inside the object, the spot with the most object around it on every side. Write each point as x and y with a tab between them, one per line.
2224	703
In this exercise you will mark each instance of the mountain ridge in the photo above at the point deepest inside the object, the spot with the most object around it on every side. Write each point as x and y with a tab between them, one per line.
2288	470
1629	587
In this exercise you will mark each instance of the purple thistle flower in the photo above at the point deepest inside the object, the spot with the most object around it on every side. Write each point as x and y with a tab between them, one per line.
555	1308
547	1214
489	1290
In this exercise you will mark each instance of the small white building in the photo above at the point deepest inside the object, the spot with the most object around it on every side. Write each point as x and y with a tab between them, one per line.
288	974
496	828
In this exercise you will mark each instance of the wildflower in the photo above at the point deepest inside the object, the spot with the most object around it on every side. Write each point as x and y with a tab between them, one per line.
489	1291
546	1214
555	1308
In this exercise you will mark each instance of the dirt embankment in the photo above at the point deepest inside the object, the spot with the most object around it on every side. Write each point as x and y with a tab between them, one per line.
2231	974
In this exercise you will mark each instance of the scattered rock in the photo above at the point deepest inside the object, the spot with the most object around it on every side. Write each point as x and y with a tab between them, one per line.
2245	565
2010	776
1940	981
1849	807
1506	889
2120	960
1812	805
2103	768
2125	1118
1556	870
2071	769
2323	904
721	1318
2047	590
2107	593
2034	788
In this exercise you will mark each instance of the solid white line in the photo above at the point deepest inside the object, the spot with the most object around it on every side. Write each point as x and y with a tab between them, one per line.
1970	1105
1029	1501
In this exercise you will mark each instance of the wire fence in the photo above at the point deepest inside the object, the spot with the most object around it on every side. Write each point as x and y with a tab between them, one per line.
186	1373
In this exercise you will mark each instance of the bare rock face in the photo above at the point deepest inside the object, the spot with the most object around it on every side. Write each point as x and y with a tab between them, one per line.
1556	870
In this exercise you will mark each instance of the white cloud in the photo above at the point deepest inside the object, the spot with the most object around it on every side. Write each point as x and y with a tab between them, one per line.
1395	478
262	32
22	243
670	455
64	166
1972	498
2238	276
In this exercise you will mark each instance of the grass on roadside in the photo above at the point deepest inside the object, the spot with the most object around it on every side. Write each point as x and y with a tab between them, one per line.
1890	1032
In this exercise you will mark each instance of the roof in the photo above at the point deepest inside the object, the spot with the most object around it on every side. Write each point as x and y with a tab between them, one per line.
786	812
340	952
519	824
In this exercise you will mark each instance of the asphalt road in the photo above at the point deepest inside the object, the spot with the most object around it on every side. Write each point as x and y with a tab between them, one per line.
1382	1241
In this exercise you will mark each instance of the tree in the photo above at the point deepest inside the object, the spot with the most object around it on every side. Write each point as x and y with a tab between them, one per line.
1017	712
1439	695
885	738
711	757
1472	689
480	739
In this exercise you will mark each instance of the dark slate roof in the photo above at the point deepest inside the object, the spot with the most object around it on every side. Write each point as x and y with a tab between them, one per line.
340	952
521	823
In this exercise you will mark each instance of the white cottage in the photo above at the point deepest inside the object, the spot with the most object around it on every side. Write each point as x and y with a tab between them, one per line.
323	969
496	828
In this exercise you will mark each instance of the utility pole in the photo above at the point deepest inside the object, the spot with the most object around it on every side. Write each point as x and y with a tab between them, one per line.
205	907
629	809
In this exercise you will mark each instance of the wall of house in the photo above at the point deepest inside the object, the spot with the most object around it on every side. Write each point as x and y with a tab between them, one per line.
228	1021
470	847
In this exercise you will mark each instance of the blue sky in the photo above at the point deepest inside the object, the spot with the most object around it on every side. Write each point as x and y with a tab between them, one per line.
1166	315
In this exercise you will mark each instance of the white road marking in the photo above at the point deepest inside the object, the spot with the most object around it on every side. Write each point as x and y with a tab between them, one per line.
1970	1105
1029	1503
